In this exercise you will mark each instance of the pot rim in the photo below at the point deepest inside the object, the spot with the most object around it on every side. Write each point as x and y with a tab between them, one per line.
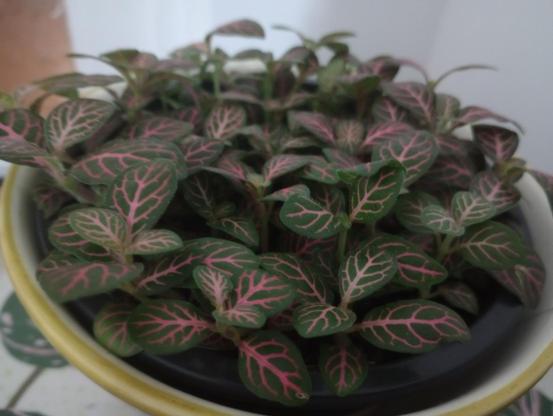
141	390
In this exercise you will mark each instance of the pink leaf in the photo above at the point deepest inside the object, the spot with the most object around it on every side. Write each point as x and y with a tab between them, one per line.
416	151
344	367
319	319
103	165
413	326
414	97
214	285
142	193
199	152
271	366
268	292
316	123
497	143
281	165
349	134
111	329
383	132
75	121
242	27
21	137
224	121
385	110
150	242
472	114
163	128
308	284
502	195
85	279
166	326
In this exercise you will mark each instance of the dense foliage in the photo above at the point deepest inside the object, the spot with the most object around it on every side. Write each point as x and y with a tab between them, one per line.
251	209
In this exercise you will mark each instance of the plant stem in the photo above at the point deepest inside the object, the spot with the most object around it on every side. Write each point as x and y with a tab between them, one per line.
443	249
24	387
342	242
217	79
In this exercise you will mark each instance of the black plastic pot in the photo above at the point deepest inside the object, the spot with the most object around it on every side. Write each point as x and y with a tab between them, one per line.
400	384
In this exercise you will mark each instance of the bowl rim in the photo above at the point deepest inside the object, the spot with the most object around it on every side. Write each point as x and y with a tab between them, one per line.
143	391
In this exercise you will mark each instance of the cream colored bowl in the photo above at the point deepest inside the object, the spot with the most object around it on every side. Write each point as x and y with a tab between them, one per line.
530	352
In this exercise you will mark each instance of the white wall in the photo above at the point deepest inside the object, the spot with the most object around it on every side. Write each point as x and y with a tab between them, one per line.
513	35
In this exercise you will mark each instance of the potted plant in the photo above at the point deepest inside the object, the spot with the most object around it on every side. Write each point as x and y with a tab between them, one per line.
294	225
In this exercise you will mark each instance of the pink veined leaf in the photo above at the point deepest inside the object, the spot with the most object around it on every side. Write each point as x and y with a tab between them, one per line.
317	124
199	193
289	102
383	66
86	279
49	199
307	283
242	27
340	159
447	108
281	165
415	268
502	195
492	246
343	367
232	168
199	152
365	170
525	281
320	170
382	132
268	292
307	217
498	143
453	171
285	193
100	226
453	146
112	159
224	121
416	151
141	194
214	285
319	319
158	127
385	110
409	208
331	197
168	326
224	256
169	271
460	296
75	121
371	198
149	242
413	326
414	97
242	316
472	114
469	208
111	329
364	272
349	134
55	260
272	367
241	228
21	137
64	238
189	115
240	97
440	220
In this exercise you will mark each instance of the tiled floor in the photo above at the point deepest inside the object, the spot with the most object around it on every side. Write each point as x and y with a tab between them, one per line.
57	389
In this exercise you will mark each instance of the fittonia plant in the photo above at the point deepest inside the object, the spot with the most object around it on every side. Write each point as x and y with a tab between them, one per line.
254	209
